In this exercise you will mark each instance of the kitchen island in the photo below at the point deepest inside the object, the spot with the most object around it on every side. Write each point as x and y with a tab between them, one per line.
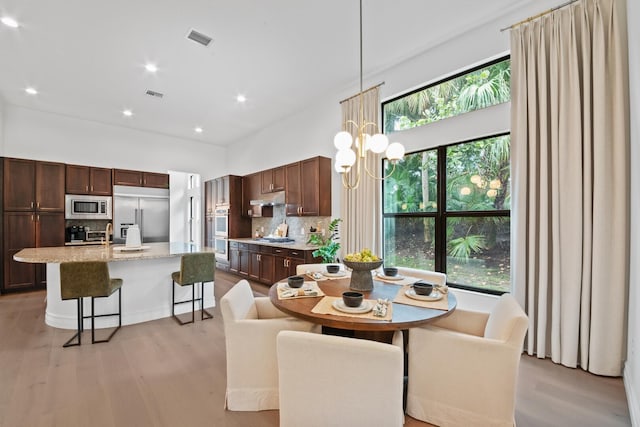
146	275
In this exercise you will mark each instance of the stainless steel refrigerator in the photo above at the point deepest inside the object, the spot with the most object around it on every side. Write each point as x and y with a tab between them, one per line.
147	207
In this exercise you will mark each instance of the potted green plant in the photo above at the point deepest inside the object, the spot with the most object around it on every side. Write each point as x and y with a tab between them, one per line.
329	247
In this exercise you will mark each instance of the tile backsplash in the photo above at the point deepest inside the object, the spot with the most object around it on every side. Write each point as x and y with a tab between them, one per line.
298	226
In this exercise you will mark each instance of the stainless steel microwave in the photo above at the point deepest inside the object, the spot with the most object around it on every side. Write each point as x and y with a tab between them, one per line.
87	207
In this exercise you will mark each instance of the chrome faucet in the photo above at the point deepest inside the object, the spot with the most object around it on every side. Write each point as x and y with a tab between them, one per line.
107	233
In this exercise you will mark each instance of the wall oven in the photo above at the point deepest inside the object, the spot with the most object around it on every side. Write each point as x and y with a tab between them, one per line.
87	207
221	245
221	222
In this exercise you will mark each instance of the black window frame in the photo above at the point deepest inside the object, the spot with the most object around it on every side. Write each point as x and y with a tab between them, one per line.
442	214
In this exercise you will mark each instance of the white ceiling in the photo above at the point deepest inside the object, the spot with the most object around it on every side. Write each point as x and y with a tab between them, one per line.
87	57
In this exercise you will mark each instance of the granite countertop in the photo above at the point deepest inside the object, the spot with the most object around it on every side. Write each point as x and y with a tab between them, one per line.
297	245
104	253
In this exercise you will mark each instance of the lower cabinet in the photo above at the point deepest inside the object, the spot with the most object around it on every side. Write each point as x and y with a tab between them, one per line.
239	258
261	264
29	230
287	261
266	264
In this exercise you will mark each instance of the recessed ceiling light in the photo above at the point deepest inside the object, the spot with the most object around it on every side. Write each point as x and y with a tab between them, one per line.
241	98
127	113
198	129
152	68
31	91
9	22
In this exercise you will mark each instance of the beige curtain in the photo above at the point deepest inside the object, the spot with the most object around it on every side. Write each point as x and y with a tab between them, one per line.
360	208
570	166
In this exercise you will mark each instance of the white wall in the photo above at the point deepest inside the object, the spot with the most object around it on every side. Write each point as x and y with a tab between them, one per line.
632	366
38	135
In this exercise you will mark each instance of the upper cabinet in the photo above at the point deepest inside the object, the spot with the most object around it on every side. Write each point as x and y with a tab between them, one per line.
222	191
33	186
251	190
308	187
209	197
88	180
140	179
273	180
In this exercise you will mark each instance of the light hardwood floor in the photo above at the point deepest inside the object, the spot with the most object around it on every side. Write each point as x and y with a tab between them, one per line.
161	374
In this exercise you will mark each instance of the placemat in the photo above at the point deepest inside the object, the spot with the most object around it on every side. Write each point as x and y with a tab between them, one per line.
401	298
325	306
283	288
404	281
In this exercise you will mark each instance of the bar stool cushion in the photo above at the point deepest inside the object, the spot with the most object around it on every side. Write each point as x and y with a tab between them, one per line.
86	279
195	268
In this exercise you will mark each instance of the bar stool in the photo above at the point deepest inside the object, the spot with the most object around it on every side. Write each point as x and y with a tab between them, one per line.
79	280
194	268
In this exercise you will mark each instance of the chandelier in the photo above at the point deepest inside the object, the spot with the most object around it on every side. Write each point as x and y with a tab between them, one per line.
351	164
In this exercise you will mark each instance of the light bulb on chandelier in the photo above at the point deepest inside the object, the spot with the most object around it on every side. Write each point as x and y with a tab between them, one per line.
350	162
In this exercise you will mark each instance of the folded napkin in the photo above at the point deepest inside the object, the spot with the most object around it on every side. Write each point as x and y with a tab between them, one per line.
308	289
402	298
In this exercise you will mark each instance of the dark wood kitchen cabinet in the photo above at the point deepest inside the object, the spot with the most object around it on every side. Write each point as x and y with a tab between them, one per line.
308	187
30	185
29	230
261	265
33	216
286	262
209	197
239	258
222	191
140	179
273	180
88	180
252	190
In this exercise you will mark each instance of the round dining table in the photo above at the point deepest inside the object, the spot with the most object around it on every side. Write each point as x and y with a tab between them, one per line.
403	316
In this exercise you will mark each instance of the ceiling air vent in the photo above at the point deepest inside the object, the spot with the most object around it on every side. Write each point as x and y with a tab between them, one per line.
154	93
199	38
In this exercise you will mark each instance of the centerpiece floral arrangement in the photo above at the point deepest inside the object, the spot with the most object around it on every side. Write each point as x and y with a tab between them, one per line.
329	247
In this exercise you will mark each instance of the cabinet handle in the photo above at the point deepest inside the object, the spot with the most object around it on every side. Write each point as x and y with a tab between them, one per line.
259	257
37	205
86	188
92	188
32	206
37	218
31	217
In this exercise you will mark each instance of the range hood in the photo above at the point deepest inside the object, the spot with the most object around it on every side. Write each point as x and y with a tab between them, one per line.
269	199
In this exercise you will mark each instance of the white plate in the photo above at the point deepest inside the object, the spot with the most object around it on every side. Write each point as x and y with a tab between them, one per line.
398	277
130	248
338	274
435	295
365	307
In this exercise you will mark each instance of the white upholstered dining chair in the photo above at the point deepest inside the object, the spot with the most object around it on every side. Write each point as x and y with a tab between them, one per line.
328	380
251	325
463	368
434	277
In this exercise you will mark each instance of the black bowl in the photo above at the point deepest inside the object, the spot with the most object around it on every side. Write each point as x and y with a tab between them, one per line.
332	268
352	299
423	288
295	281
390	271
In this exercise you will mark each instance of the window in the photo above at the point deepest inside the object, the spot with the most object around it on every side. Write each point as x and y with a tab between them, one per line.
448	209
470	90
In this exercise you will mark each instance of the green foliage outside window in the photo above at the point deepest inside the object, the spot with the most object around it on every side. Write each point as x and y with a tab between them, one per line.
478	89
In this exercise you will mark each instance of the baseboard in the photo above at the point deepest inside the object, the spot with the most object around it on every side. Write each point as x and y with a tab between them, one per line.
633	397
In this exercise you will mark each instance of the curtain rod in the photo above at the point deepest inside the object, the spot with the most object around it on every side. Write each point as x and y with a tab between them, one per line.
531	18
364	91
